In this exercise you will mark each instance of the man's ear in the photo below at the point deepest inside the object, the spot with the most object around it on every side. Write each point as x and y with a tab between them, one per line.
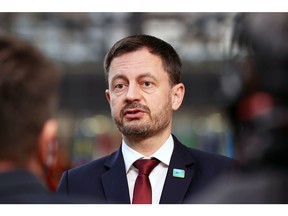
178	92
47	143
107	93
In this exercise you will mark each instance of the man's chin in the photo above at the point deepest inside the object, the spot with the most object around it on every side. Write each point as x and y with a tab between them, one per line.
133	131
133	124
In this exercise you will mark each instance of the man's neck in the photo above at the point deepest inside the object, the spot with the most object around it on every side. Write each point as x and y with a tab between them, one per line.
147	146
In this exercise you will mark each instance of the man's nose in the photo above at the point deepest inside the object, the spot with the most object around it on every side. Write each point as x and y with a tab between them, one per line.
133	93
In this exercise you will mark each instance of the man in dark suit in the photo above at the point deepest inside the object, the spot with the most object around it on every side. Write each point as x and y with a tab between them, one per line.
28	147
144	89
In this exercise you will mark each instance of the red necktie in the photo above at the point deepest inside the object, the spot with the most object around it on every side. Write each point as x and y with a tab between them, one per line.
142	189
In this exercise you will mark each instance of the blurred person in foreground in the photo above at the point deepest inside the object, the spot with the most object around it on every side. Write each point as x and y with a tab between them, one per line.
144	89
259	113
28	145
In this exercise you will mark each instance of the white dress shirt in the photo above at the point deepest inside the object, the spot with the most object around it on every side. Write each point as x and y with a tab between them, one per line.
158	174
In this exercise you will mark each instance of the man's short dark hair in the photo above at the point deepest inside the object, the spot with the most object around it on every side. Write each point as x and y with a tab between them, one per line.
170	59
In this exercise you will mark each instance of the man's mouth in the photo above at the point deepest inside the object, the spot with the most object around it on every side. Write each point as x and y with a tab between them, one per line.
133	113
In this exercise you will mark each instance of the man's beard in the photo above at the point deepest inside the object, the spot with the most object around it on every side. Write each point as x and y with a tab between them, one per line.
140	129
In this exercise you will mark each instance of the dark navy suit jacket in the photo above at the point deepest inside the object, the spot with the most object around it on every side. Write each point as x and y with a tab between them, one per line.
105	178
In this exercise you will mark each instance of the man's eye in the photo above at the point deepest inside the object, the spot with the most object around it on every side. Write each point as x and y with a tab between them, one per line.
147	84
119	86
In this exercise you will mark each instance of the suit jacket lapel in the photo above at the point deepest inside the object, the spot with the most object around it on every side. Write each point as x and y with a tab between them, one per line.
175	188
115	181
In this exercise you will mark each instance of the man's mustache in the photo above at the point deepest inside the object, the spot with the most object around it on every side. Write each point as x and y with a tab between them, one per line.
134	106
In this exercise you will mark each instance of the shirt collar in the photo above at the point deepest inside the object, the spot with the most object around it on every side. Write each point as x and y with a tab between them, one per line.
163	154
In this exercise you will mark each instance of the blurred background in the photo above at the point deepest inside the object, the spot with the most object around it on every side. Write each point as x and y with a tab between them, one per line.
78	42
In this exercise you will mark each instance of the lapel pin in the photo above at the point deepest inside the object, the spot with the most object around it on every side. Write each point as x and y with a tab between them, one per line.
179	173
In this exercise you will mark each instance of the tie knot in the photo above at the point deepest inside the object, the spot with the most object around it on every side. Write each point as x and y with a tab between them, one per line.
145	166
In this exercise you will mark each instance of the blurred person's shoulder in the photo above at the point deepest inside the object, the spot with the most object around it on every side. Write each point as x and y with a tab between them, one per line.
263	186
22	187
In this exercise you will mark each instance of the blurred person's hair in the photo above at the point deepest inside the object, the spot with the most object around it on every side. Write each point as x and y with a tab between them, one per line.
259	113
263	37
169	57
28	97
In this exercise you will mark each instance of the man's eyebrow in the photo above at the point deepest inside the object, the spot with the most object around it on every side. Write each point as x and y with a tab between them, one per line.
147	75
141	76
119	76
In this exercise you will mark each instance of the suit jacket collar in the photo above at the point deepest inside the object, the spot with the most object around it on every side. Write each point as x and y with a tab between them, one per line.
115	181
175	188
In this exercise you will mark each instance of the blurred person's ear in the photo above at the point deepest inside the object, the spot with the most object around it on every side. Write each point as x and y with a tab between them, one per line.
47	144
177	94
